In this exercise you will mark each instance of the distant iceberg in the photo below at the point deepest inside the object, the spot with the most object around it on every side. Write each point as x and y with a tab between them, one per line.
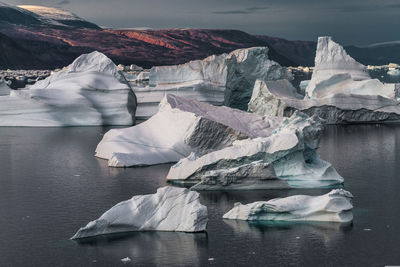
395	72
225	79
335	206
170	209
90	91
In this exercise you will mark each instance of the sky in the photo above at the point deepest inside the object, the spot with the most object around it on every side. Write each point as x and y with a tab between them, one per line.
357	22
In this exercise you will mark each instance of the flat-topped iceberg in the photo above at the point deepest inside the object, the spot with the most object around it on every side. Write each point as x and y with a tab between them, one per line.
219	79
180	127
285	158
90	91
170	209
335	206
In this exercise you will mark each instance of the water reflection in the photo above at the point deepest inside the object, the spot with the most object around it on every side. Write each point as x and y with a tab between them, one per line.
296	234
160	248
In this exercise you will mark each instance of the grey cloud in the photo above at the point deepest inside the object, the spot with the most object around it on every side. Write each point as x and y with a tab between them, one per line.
63	2
248	10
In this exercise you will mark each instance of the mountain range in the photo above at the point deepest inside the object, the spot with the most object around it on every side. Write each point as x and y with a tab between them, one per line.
36	37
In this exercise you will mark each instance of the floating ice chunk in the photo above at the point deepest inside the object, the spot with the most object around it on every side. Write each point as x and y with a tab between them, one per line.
335	206
170	209
125	260
395	72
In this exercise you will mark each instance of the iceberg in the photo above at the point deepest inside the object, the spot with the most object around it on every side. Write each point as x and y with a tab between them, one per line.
331	59
4	88
284	159
225	79
335	206
395	72
187	126
90	91
340	91
170	209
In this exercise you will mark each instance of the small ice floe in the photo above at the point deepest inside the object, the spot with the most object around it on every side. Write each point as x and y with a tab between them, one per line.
125	260
335	206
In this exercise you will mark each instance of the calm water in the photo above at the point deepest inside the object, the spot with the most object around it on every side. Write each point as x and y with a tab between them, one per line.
50	185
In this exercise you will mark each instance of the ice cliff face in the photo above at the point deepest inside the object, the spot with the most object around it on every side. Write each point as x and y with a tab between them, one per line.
4	88
224	79
90	91
170	209
268	97
244	67
335	206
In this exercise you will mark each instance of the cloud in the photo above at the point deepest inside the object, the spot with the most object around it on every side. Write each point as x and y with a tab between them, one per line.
63	2
248	10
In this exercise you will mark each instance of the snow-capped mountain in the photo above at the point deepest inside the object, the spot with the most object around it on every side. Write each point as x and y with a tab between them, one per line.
58	17
29	15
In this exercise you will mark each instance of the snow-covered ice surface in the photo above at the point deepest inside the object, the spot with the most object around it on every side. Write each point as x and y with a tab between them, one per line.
286	158
56	16
90	91
219	79
170	209
335	206
4	88
180	127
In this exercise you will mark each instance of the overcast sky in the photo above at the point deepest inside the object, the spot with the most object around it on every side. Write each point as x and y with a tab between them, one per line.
348	21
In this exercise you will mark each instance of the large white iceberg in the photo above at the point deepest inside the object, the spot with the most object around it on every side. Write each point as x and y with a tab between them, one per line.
285	158
180	127
219	79
90	91
335	206
340	91
170	209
